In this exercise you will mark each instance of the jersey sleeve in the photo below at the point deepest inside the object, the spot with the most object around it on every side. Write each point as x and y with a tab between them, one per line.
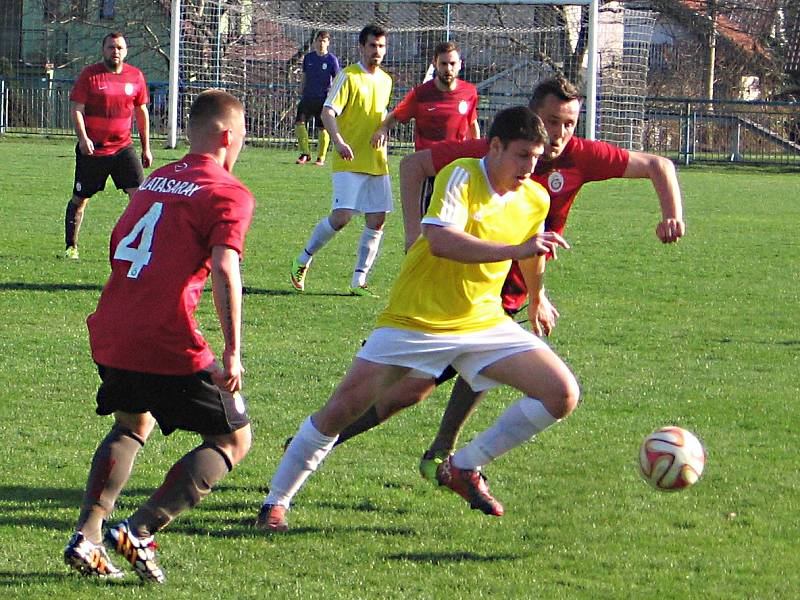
80	91
599	161
407	109
339	94
231	213
335	66
449	203
443	153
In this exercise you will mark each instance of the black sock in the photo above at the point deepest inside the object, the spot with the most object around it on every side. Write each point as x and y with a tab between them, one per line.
364	423
72	223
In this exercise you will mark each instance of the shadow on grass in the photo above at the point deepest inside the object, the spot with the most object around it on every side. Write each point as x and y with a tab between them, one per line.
245	528
440	558
26	578
261	292
23	286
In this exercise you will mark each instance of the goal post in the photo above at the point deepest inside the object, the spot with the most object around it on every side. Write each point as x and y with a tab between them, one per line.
253	48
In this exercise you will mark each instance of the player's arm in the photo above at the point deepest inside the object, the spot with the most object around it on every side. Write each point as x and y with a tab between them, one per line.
453	243
541	313
142	116
414	169
474	131
226	287
78	114
661	173
381	135
328	116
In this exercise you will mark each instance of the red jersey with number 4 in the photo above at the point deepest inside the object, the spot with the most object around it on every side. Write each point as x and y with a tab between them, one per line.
438	115
109	99
581	161
160	259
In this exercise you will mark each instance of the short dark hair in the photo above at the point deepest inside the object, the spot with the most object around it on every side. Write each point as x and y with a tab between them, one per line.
370	30
559	86
444	48
517	123
113	35
212	105
322	33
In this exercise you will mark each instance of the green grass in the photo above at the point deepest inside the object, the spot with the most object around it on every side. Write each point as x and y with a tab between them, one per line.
702	334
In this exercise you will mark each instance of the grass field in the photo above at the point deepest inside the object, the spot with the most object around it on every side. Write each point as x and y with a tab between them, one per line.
703	335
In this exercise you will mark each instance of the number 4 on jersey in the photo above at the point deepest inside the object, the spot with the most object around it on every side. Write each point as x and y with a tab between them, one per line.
139	256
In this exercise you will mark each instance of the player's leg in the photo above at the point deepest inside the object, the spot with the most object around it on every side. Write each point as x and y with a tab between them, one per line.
511	355
323	139
90	176
323	142
343	207
111	467
410	390
317	434
374	200
462	403
323	232
301	130
73	217
192	403
126	170
551	393
367	253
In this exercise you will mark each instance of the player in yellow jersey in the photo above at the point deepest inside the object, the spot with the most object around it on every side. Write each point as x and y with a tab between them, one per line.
445	309
354	108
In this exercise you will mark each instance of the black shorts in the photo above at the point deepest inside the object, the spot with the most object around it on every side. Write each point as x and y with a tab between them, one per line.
91	172
188	402
446	375
309	108
425	195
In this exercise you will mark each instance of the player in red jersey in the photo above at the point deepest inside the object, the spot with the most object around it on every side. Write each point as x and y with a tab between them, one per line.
186	221
104	99
568	164
444	108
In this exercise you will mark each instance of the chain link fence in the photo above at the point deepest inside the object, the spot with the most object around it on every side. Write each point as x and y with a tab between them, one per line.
687	130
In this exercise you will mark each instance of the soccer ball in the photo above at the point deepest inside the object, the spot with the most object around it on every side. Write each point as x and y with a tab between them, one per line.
671	459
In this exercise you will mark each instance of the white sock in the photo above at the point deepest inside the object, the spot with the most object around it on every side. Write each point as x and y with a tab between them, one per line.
519	423
322	234
368	246
307	450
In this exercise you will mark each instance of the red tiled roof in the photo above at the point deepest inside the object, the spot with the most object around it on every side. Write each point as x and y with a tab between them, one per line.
746	39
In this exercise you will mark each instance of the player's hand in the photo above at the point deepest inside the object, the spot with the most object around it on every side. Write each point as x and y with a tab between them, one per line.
86	147
542	244
147	158
542	316
380	138
229	376
345	151
670	231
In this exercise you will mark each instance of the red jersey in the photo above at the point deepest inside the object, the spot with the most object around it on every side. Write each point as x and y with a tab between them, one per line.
160	255
438	115
109	99
581	161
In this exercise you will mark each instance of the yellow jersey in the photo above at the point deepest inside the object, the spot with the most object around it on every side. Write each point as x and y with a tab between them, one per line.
439	295
360	100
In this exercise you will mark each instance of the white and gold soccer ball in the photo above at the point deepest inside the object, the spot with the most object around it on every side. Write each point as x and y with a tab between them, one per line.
671	459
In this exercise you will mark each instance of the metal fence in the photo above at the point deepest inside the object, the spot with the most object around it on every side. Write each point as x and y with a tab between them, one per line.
684	129
691	130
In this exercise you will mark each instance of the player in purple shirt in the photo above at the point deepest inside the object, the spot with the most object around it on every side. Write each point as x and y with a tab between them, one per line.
319	69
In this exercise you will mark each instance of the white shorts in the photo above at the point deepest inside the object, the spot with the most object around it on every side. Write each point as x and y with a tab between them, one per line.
431	353
362	192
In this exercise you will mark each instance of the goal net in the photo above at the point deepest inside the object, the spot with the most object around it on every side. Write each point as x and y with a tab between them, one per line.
254	49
